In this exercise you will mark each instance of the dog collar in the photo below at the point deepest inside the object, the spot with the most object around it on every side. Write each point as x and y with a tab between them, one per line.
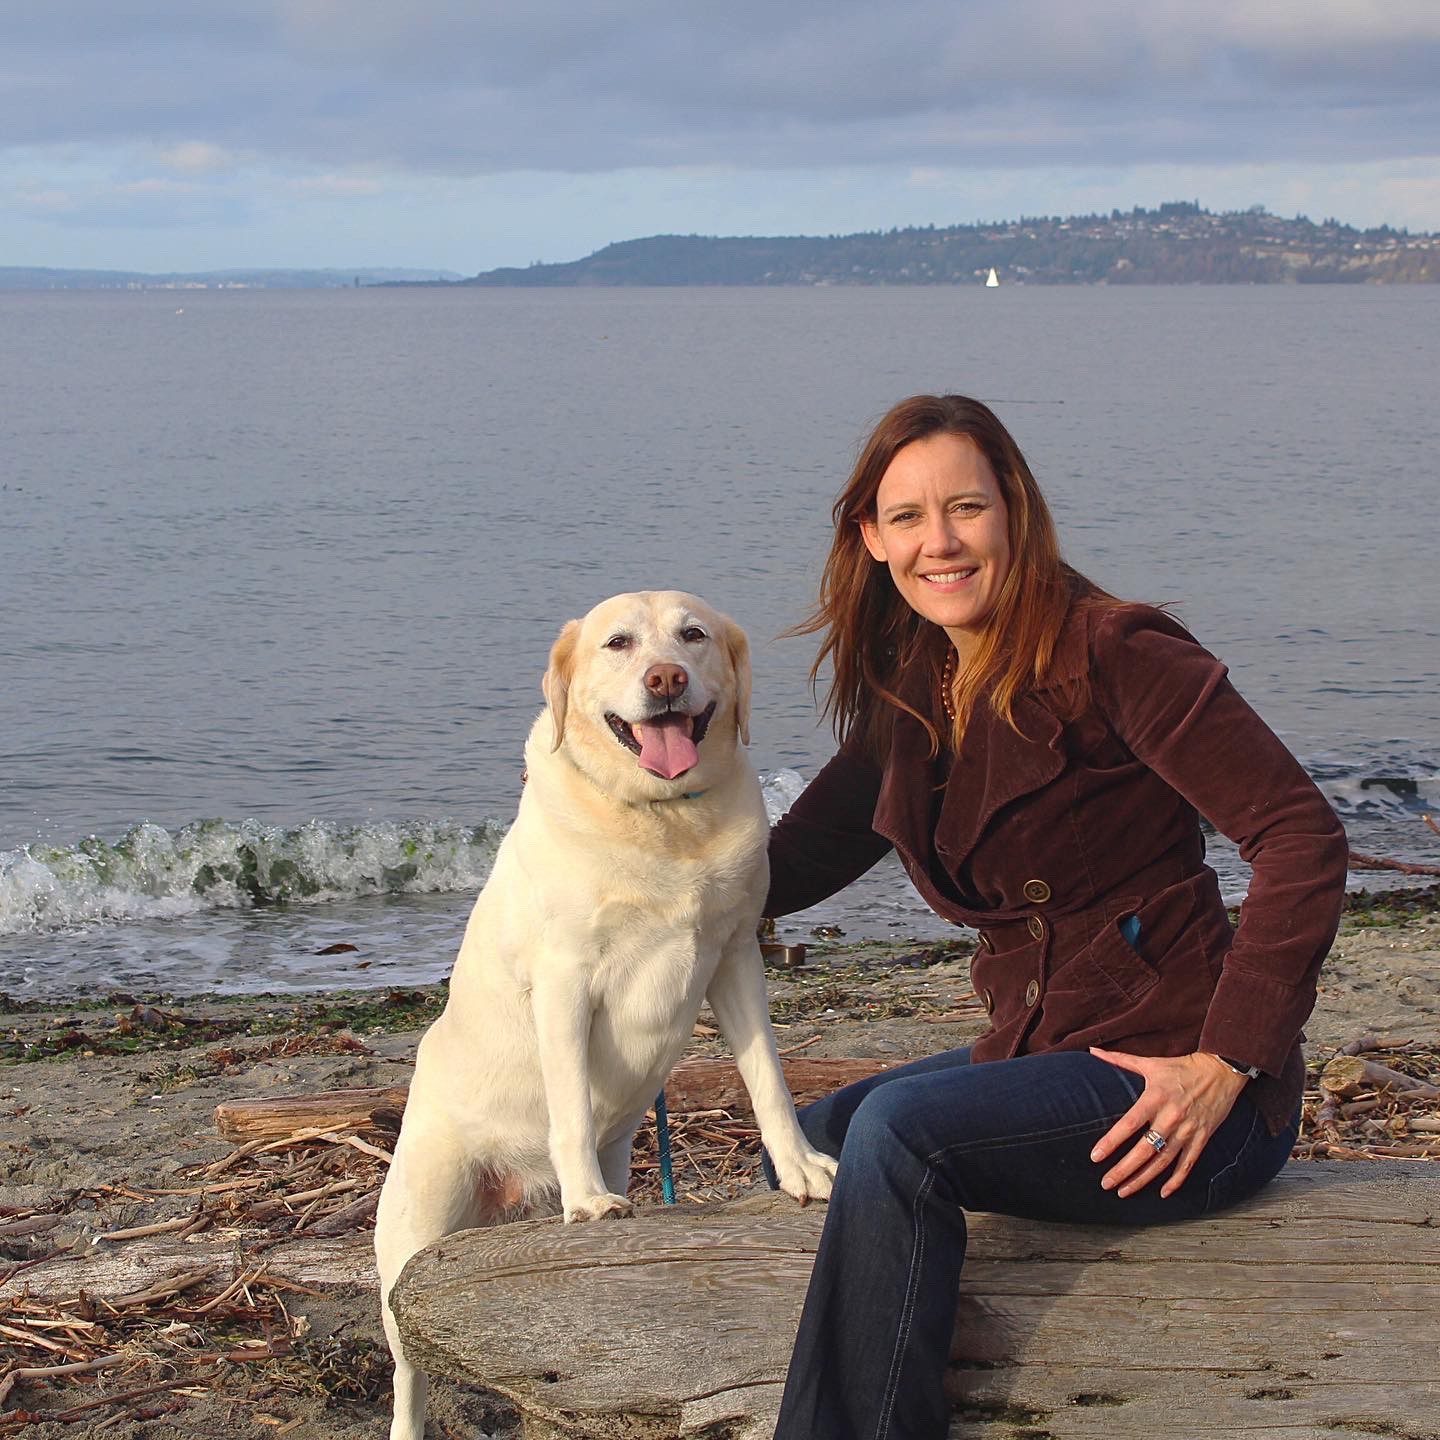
687	795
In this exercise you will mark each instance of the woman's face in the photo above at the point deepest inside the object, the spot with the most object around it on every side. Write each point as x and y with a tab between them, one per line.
941	526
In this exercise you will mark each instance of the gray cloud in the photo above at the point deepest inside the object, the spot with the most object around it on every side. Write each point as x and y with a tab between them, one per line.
463	88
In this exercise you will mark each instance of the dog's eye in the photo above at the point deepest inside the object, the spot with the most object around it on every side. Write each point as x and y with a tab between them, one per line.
619	642
693	634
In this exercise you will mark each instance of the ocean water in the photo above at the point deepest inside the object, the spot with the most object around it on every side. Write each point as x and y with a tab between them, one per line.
280	571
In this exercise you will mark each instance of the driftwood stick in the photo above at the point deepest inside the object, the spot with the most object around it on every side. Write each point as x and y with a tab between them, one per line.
175	1285
693	1085
31	1225
1380	862
1361	1043
346	1218
28	1337
21	1373
248	1278
123	1398
271	1350
141	1232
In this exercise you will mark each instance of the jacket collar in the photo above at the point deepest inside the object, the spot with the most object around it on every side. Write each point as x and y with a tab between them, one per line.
996	766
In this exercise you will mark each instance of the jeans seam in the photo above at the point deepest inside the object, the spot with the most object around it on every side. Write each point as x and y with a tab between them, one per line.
969	1147
907	1312
1240	1151
917	1253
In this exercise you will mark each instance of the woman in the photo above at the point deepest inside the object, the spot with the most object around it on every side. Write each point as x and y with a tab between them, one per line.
1038	753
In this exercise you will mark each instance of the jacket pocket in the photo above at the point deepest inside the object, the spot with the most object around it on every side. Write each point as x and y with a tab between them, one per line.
1109	965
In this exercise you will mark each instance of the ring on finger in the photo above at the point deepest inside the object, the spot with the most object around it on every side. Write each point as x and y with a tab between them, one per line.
1155	1138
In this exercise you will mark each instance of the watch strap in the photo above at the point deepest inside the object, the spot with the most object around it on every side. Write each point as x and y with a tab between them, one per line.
1250	1072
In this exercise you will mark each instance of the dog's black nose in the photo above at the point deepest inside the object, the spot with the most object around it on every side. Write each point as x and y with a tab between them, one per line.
667	681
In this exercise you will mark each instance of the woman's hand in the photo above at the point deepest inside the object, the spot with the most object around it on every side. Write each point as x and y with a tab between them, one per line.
1185	1100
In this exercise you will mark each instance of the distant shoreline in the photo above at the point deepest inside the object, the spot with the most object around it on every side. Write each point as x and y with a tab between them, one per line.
1179	243
1176	244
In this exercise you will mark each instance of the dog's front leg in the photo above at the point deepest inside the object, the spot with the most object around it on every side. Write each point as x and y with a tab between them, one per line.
562	1011
737	997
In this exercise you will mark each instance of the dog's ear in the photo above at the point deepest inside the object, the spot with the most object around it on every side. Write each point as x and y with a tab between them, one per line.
556	683
738	645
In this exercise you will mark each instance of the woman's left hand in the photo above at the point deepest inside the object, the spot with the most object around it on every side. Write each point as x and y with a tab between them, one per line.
1186	1097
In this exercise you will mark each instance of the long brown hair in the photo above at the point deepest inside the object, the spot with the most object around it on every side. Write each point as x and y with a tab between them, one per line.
873	638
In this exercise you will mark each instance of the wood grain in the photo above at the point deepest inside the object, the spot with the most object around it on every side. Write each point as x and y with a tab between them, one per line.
1311	1311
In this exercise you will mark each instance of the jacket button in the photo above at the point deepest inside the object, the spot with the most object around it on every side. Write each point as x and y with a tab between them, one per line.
1036	891
986	943
1032	992
988	1001
1036	926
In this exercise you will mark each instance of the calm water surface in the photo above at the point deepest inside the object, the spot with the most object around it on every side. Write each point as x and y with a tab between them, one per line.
291	564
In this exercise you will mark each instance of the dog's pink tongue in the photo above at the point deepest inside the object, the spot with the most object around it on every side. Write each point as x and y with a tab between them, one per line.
666	748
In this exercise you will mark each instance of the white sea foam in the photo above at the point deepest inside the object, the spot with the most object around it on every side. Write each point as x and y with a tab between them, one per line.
781	789
153	873
1389	795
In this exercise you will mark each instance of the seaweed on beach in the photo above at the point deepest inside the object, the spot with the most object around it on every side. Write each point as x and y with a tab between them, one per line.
1391	907
140	1026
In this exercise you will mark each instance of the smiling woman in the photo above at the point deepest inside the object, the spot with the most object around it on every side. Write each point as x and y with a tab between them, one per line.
1038	754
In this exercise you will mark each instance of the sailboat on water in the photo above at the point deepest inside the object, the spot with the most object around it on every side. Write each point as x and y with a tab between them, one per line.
992	280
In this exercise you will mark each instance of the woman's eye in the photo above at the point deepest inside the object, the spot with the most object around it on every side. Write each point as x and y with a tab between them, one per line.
693	634
618	642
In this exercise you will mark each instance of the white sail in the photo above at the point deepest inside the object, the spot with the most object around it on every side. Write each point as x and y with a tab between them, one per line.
992	279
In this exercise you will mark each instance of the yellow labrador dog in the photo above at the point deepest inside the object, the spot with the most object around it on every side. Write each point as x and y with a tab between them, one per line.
626	893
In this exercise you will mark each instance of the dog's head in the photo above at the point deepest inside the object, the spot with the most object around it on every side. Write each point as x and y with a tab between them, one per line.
652	685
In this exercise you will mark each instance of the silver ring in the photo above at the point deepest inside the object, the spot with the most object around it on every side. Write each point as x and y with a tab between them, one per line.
1155	1138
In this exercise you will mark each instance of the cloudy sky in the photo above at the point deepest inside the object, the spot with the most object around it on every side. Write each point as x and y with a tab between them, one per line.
464	134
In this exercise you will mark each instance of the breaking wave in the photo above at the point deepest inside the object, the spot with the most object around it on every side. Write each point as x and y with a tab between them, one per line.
225	865
154	873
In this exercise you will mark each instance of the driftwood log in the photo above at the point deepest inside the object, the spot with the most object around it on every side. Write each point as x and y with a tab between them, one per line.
693	1085
1314	1310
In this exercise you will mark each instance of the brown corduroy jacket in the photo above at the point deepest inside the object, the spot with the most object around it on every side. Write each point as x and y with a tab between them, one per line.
1048	841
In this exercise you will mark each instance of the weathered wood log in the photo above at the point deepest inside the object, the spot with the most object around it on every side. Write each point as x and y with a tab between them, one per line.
693	1085
716	1084
272	1116
1346	1074
106	1271
1310	1311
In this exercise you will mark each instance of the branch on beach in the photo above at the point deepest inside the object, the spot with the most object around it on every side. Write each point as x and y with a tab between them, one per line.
1381	862
693	1085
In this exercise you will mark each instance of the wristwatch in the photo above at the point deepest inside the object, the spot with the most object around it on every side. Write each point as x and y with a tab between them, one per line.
1240	1067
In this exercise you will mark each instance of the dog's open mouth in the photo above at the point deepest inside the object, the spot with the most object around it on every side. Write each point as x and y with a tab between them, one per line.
666	743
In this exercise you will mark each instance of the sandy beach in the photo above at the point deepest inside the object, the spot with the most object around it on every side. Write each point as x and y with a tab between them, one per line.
107	1124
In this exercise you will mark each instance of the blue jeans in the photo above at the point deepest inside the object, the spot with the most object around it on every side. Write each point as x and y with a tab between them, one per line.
920	1145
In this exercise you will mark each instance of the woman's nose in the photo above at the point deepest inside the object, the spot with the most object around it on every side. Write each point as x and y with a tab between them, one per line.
940	536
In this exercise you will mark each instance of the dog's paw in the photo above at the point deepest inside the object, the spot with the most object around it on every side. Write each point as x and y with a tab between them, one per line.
807	1176
598	1207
